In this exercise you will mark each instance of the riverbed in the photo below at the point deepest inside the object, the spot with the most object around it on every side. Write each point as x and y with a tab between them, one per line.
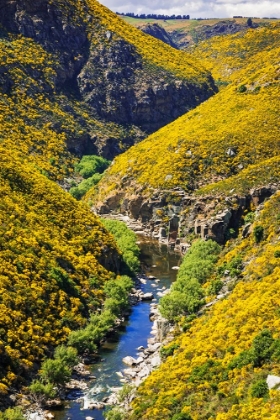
156	260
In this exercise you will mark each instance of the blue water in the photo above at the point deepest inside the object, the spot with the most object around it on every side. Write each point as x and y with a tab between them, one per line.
134	332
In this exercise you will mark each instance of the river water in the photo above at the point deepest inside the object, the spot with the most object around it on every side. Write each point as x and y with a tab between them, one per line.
156	260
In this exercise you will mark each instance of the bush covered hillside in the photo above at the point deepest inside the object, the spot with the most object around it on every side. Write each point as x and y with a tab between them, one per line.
217	368
223	137
99	84
55	259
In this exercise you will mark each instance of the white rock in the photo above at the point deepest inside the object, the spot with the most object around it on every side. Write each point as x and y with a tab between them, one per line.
119	374
144	372
147	296
128	360
272	381
155	361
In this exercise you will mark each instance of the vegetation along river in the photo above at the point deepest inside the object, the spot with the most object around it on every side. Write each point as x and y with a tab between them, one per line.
156	260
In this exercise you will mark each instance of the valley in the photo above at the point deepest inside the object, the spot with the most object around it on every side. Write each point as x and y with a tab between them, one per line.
173	128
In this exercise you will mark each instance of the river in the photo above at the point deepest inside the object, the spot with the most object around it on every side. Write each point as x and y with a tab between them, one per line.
156	260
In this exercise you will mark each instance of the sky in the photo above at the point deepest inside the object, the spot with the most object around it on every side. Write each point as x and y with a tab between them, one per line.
198	8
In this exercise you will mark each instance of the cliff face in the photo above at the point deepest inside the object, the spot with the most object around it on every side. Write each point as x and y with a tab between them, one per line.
121	88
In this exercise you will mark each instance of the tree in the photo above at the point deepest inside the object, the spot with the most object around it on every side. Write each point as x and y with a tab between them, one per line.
249	22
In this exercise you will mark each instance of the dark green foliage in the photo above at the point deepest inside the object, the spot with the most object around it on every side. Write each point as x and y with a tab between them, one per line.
259	389
205	371
243	359
262	347
241	89
168	350
277	253
187	294
126	241
215	287
258	233
234	267
91	164
249	22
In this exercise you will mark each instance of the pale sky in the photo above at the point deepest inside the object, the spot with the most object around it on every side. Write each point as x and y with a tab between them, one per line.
198	8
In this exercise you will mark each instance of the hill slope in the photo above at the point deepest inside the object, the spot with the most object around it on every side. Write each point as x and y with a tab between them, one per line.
54	264
223	137
111	80
218	368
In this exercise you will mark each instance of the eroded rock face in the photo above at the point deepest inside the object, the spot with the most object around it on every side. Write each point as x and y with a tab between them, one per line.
209	217
121	88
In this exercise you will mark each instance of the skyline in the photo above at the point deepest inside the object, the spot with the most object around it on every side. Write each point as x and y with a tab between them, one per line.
199	8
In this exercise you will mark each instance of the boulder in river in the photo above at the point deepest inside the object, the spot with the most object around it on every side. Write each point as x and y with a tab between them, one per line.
147	296
130	361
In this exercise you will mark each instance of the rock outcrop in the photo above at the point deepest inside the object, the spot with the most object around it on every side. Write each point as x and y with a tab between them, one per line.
157	31
169	220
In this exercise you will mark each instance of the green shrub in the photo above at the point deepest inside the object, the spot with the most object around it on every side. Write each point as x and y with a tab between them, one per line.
55	371
215	287
67	355
241	89
181	416
259	389
80	190
41	392
91	164
258	233
187	294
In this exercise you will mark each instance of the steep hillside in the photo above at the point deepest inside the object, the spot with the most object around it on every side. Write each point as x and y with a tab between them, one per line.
110	80
223	137
218	368
55	257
